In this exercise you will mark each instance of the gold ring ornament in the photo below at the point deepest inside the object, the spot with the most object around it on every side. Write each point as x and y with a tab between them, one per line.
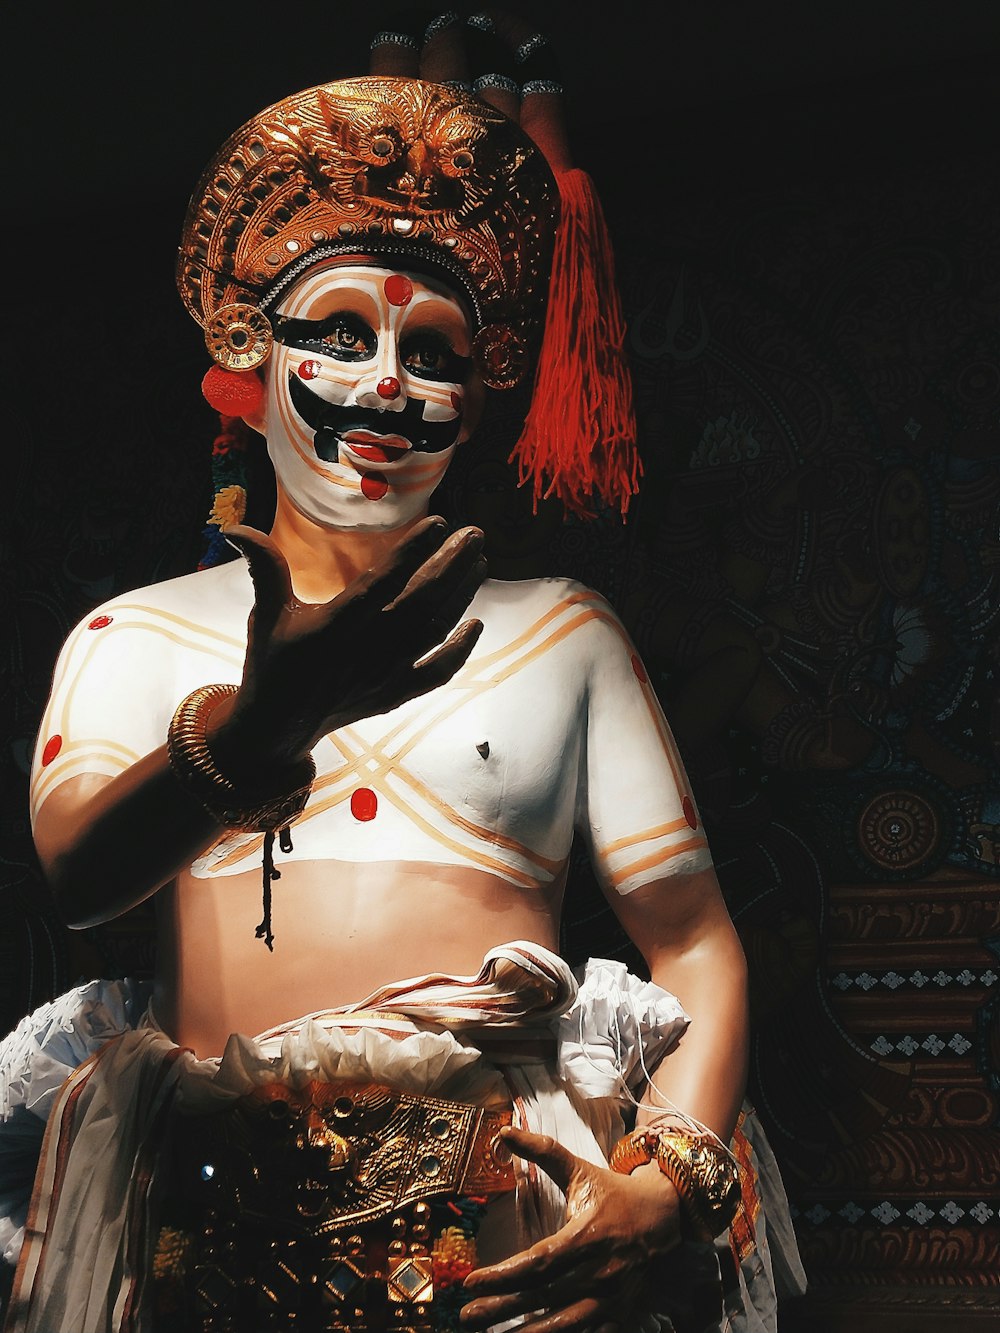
239	336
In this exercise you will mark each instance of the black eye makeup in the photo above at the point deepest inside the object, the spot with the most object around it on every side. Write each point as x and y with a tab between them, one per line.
342	334
429	355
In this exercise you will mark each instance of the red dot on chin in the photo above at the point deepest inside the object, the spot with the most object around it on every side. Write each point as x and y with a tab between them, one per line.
373	486
690	814
99	622
398	290
364	804
52	747
639	669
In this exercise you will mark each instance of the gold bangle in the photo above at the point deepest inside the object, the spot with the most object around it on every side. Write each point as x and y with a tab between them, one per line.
238	807
702	1171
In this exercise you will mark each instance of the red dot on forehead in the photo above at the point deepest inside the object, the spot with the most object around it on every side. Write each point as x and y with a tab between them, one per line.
398	290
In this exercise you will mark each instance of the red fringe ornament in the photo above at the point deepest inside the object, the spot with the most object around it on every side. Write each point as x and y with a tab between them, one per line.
579	437
232	393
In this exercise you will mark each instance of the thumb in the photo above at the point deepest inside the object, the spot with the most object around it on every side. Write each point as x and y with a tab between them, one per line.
272	583
546	1152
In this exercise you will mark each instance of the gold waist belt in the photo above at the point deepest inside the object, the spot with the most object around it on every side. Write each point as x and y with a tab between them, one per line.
343	1206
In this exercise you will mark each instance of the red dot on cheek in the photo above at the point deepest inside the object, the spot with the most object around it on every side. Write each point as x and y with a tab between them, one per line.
99	622
52	747
373	486
690	814
456	401
639	669
398	290
309	370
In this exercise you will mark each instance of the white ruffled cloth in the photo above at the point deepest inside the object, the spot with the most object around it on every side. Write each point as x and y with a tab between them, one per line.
98	1058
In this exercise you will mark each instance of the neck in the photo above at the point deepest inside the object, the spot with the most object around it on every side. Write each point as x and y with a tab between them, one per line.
323	561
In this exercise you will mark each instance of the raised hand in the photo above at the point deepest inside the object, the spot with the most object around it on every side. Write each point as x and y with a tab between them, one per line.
596	1273
388	637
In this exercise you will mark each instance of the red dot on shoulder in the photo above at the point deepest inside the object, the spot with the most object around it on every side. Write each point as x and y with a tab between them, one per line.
99	622
373	486
690	814
398	290
52	747
364	804
639	669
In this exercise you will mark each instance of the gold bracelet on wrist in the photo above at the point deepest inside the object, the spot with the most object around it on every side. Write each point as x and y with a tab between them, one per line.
703	1172
234	805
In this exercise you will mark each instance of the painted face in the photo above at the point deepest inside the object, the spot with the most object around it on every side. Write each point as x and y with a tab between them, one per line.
370	389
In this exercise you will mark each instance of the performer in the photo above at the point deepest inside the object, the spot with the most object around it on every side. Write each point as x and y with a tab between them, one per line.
349	766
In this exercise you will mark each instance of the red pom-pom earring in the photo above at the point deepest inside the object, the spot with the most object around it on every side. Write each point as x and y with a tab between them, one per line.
233	393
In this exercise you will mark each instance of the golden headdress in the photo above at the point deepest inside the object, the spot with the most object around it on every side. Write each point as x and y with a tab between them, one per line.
419	173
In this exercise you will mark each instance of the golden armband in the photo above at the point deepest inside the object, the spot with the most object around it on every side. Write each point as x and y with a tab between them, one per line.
703	1172
237	806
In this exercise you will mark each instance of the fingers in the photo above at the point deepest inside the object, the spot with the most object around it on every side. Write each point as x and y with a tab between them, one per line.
543	1263
555	1160
429	613
436	595
387	580
578	1316
440	665
272	581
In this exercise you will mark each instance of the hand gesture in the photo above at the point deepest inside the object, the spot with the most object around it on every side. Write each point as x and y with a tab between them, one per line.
595	1273
388	637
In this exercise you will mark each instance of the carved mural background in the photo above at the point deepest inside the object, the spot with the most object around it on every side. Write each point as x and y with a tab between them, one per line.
810	572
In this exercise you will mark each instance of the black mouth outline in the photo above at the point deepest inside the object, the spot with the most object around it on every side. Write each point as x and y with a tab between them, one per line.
330	423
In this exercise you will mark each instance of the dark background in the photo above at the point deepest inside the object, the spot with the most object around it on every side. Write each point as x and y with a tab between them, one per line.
806	216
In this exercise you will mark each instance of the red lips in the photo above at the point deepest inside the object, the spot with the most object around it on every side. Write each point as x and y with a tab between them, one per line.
373	449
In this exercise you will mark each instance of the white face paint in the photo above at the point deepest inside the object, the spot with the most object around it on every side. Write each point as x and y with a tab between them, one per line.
369	391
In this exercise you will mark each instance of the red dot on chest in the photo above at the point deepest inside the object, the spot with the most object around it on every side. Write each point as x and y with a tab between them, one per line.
364	804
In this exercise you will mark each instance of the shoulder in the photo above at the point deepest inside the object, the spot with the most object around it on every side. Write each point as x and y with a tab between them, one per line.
525	599
219	598
203	591
550	610
151	629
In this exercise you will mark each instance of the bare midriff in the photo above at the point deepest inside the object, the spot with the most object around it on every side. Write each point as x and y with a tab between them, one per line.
341	930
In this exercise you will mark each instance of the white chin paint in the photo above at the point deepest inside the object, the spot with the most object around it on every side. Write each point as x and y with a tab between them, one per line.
332	494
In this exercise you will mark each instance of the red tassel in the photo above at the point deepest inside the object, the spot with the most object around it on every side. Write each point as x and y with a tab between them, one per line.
233	393
579	438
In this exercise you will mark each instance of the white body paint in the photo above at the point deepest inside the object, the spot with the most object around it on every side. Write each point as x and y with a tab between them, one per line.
575	737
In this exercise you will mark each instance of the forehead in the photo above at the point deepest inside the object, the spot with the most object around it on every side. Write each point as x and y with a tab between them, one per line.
372	290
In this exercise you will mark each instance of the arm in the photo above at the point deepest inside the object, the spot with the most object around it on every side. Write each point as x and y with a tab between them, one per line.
686	936
108	842
651	854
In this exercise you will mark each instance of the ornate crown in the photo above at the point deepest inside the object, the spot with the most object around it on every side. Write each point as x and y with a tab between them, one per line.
418	173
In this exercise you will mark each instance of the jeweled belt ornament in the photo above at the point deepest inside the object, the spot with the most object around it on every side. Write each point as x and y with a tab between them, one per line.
345	1206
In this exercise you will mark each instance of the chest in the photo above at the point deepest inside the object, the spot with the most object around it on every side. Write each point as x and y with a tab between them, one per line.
483	771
